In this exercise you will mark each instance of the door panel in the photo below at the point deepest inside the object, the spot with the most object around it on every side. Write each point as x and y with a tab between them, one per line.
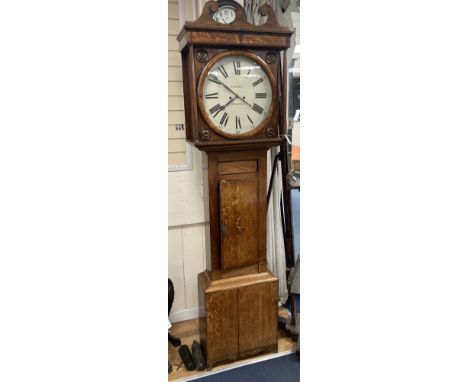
257	316
239	222
222	324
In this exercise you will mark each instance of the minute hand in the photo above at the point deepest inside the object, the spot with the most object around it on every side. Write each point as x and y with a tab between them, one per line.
233	92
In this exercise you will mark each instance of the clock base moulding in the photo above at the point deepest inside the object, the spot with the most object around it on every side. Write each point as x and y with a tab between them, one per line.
238	145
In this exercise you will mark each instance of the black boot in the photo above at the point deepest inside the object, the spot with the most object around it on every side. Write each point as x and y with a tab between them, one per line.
175	341
197	353
186	357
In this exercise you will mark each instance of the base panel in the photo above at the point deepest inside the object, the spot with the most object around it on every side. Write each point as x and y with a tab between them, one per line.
240	316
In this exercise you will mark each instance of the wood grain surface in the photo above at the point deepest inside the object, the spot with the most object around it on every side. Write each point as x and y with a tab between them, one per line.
258	315
239	222
241	316
222	324
236	167
237	200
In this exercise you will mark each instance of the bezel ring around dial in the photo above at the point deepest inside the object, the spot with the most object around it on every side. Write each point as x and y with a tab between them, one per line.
203	76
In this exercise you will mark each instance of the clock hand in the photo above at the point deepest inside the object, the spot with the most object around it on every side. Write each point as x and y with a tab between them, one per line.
218	109
248	104
216	80
228	88
233	92
231	100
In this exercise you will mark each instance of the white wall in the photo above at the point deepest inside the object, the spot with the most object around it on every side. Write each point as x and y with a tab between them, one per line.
188	239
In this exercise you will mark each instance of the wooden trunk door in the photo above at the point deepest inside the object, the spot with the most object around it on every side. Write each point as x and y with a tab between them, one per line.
239	222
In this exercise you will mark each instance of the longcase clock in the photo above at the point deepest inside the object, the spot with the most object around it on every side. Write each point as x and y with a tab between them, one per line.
234	84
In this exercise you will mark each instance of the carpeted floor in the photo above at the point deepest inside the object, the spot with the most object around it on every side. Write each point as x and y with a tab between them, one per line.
281	369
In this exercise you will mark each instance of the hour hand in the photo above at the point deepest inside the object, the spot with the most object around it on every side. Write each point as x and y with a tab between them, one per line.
215	80
217	108
243	100
231	100
237	95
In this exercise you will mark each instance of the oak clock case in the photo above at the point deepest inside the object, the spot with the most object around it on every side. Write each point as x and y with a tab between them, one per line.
202	44
233	83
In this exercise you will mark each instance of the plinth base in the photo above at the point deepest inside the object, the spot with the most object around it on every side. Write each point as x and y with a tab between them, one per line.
240	316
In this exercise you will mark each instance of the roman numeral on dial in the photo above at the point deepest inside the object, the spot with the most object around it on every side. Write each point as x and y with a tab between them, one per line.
260	80
250	119
224	119
254	67
260	95
211	96
257	108
223	71
238	124
216	109
237	66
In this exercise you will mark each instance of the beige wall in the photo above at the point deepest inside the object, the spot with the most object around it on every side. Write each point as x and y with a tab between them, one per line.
176	142
187	220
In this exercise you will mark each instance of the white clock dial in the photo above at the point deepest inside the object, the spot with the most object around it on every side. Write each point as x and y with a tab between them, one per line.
237	94
225	15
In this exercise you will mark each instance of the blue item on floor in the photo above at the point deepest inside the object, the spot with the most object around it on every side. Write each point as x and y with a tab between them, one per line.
280	369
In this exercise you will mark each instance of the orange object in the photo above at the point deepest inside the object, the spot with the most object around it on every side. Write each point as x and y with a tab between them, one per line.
296	153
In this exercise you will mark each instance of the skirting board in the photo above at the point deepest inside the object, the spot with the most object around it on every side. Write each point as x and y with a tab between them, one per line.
186	314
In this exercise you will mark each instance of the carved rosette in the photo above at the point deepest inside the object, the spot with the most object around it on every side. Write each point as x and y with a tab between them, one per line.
205	134
202	56
270	58
270	132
